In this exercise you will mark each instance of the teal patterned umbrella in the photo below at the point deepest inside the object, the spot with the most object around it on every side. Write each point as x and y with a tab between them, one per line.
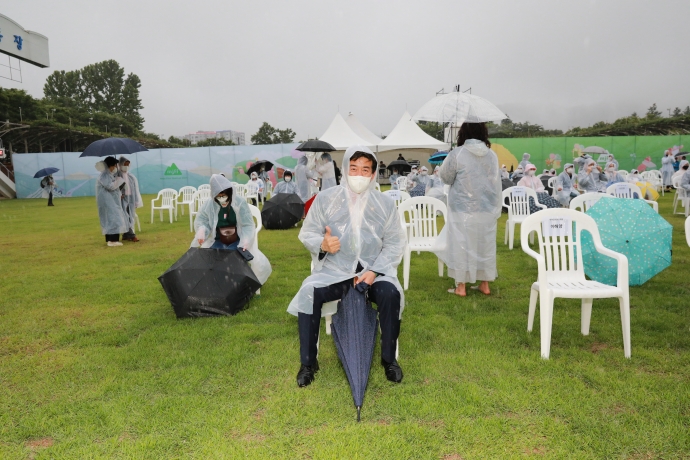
630	227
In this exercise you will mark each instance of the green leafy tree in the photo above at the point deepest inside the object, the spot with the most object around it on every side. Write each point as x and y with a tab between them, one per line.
687	110
11	100
267	134
214	142
432	128
677	112
652	112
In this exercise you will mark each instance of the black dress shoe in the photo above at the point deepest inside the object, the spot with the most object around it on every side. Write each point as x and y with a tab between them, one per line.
306	374
393	371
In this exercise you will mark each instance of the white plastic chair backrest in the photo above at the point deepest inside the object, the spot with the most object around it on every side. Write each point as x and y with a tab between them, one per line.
268	188
519	200
559	237
256	214
586	200
687	230
623	173
624	190
241	190
420	212
202	197
676	182
652	173
205	187
552	183
167	195
401	182
252	189
397	195
187	194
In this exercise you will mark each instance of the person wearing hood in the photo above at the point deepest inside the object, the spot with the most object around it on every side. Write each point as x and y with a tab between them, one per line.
683	166
354	235
48	185
613	160
612	176
257	185
419	182
324	167
581	161
467	243
552	172
525	160
530	181
287	186
394	179
591	179
685	180
131	198
504	172
564	186
303	175
667	170
225	222
434	188
517	174
109	201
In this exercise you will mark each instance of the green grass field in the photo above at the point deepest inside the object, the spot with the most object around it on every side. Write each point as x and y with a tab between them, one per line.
94	364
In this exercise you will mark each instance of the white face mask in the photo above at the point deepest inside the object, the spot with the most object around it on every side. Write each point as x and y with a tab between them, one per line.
288	179
531	172
124	168
358	184
569	170
222	199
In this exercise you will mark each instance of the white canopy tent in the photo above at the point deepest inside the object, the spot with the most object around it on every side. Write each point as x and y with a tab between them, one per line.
359	129
341	136
408	135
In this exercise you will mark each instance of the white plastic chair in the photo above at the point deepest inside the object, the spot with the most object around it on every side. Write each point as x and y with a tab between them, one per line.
552	183
168	197
654	177
518	209
204	187
199	198
681	197
268	191
623	173
397	195
258	223
252	192
561	271
628	190
687	230
422	230
587	200
401	183
186	195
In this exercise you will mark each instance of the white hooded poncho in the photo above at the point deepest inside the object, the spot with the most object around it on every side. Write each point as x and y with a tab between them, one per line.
565	182
131	197
109	201
467	243
303	176
207	219
370	233
667	170
326	169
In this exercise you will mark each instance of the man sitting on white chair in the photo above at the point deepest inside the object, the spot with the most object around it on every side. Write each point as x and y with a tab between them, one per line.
354	235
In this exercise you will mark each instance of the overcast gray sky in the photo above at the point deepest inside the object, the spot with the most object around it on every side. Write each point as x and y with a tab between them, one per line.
219	64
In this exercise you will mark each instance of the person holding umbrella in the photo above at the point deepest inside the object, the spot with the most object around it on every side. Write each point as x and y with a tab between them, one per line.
48	185
109	201
287	186
354	235
225	222
467	243
131	198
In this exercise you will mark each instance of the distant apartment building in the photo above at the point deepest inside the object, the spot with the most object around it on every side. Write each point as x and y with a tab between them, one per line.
227	134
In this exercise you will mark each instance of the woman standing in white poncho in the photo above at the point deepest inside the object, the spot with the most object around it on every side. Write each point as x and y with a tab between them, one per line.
467	243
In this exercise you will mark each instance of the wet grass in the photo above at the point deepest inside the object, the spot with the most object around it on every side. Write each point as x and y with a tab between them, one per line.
94	364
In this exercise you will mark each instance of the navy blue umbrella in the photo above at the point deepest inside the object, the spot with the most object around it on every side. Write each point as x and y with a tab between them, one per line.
354	332
45	172
112	146
437	158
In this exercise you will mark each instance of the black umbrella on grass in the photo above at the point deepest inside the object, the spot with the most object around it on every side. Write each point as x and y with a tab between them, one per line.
354	331
209	282
282	211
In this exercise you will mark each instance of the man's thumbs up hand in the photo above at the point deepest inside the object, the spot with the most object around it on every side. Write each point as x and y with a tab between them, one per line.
330	243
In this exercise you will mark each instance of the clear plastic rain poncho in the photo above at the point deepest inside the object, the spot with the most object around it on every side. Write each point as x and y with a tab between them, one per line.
131	198
667	169
206	222
580	162
435	186
393	178
680	171
285	186
525	161
685	181
109	201
467	243
592	182
565	182
370	233
303	176
530	180
326	169
612	176
613	160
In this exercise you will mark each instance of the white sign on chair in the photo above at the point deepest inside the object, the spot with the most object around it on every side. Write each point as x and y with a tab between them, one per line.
518	191
556	226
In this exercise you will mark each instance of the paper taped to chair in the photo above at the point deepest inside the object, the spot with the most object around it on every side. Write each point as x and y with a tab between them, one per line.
518	191
556	226
394	194
622	188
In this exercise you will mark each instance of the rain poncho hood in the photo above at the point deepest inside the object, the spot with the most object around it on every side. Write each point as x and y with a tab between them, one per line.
286	187
370	233
303	177
592	182
206	222
525	160
467	243
565	182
